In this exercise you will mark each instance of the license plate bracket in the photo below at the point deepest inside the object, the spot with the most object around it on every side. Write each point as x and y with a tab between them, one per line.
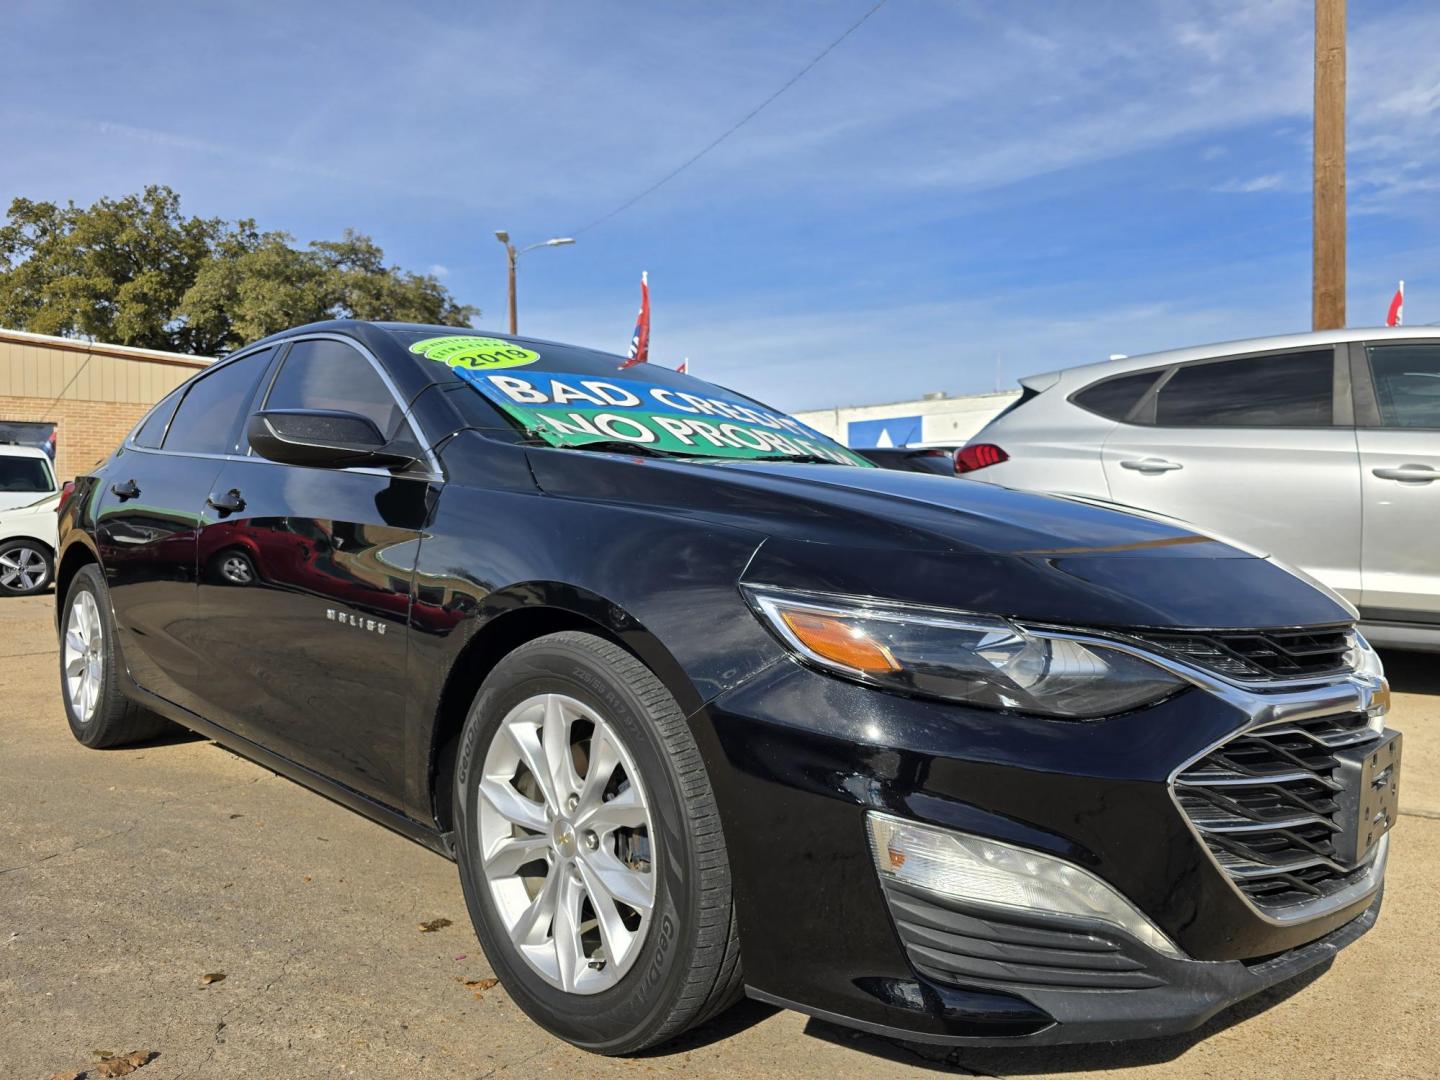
1369	798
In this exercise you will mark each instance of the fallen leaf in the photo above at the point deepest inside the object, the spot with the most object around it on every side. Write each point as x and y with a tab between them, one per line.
123	1066
433	925
73	1074
308	879
211	977
480	984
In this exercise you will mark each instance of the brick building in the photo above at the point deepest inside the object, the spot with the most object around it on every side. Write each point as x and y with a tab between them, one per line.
86	394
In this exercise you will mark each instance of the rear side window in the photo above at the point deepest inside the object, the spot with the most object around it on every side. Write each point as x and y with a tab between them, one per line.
209	415
1407	384
1113	398
1281	390
152	431
328	374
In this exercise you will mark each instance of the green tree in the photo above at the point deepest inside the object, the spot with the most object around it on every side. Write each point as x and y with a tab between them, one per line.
135	271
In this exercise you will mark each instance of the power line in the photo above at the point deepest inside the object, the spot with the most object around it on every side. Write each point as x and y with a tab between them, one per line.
735	126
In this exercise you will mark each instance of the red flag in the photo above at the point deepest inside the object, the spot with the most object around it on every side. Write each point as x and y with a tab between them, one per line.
684	368
1396	315
640	340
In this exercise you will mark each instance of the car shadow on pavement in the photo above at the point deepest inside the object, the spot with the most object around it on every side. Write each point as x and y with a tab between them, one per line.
1027	1061
741	1016
1412	672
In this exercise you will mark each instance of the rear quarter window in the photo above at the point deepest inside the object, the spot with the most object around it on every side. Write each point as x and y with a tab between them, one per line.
1113	398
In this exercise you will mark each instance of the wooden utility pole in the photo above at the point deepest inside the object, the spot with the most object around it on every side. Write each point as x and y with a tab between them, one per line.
1328	289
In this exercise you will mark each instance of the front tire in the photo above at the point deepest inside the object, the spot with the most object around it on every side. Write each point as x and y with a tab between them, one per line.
26	567
590	848
100	714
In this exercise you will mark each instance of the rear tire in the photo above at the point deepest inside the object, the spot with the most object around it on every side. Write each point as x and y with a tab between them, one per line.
91	671
624	989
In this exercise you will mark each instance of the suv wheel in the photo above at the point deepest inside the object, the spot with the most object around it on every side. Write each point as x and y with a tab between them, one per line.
25	567
590	848
100	714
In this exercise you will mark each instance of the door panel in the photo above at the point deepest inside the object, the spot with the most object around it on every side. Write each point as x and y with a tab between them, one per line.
1398	399
1400	471
147	543
304	602
1294	494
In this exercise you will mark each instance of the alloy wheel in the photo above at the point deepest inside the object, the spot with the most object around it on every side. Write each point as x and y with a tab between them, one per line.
84	658
564	836
22	569
237	571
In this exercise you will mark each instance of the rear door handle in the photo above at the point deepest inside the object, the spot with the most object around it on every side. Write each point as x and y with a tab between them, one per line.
1151	465
1412	474
229	503
125	490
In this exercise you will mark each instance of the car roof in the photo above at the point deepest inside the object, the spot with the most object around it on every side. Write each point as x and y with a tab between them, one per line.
19	450
1084	373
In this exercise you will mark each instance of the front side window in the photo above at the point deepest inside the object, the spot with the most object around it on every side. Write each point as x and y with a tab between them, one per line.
1407	384
209	415
1282	390
25	474
331	375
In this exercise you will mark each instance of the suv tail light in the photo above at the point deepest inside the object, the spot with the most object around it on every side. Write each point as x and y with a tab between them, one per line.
978	456
65	493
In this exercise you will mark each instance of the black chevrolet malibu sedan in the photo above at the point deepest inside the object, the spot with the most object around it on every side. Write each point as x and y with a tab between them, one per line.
703	705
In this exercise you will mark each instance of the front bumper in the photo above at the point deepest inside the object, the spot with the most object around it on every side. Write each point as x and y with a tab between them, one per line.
798	758
1154	996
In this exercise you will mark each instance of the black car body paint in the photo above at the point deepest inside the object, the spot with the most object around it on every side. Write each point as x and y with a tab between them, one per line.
378	599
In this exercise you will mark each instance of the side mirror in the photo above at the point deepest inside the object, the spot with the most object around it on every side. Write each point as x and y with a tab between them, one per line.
322	438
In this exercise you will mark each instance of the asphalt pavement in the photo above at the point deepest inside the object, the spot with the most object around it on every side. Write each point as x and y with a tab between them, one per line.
131	879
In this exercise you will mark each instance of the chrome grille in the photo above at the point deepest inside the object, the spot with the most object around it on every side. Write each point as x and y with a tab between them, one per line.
1265	804
1256	655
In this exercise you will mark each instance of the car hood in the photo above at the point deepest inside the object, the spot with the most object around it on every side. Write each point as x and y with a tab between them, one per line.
24	500
938	540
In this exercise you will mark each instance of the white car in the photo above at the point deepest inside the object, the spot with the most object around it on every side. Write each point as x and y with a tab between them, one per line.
29	499
1320	449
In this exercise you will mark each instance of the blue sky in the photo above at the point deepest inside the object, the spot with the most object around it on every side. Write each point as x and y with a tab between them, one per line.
958	185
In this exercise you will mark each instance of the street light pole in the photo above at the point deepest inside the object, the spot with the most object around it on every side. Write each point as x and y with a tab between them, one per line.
512	255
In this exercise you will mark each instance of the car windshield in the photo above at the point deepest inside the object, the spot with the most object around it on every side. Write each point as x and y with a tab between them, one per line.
579	398
24	474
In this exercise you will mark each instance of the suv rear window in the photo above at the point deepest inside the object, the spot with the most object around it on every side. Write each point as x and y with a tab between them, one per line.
1280	390
1113	398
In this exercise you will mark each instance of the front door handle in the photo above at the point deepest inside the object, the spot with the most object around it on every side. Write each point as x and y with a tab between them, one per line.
1151	465
125	490
229	503
1410	474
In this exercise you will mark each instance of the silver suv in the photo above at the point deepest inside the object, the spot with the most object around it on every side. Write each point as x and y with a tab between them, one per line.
1320	449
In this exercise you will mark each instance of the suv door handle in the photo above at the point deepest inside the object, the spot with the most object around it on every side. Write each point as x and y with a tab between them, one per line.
1414	474
229	503
125	490
1152	465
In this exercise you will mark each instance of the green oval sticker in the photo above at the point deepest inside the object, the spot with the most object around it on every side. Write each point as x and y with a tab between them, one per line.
475	353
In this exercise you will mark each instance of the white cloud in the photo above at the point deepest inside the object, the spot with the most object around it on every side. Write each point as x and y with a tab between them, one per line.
1268	182
439	270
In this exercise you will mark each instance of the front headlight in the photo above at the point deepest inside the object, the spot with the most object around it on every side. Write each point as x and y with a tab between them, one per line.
976	659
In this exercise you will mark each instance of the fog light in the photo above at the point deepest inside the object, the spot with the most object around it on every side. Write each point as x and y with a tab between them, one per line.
988	872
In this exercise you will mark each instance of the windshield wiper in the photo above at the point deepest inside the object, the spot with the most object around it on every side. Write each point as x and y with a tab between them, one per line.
618	446
801	459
